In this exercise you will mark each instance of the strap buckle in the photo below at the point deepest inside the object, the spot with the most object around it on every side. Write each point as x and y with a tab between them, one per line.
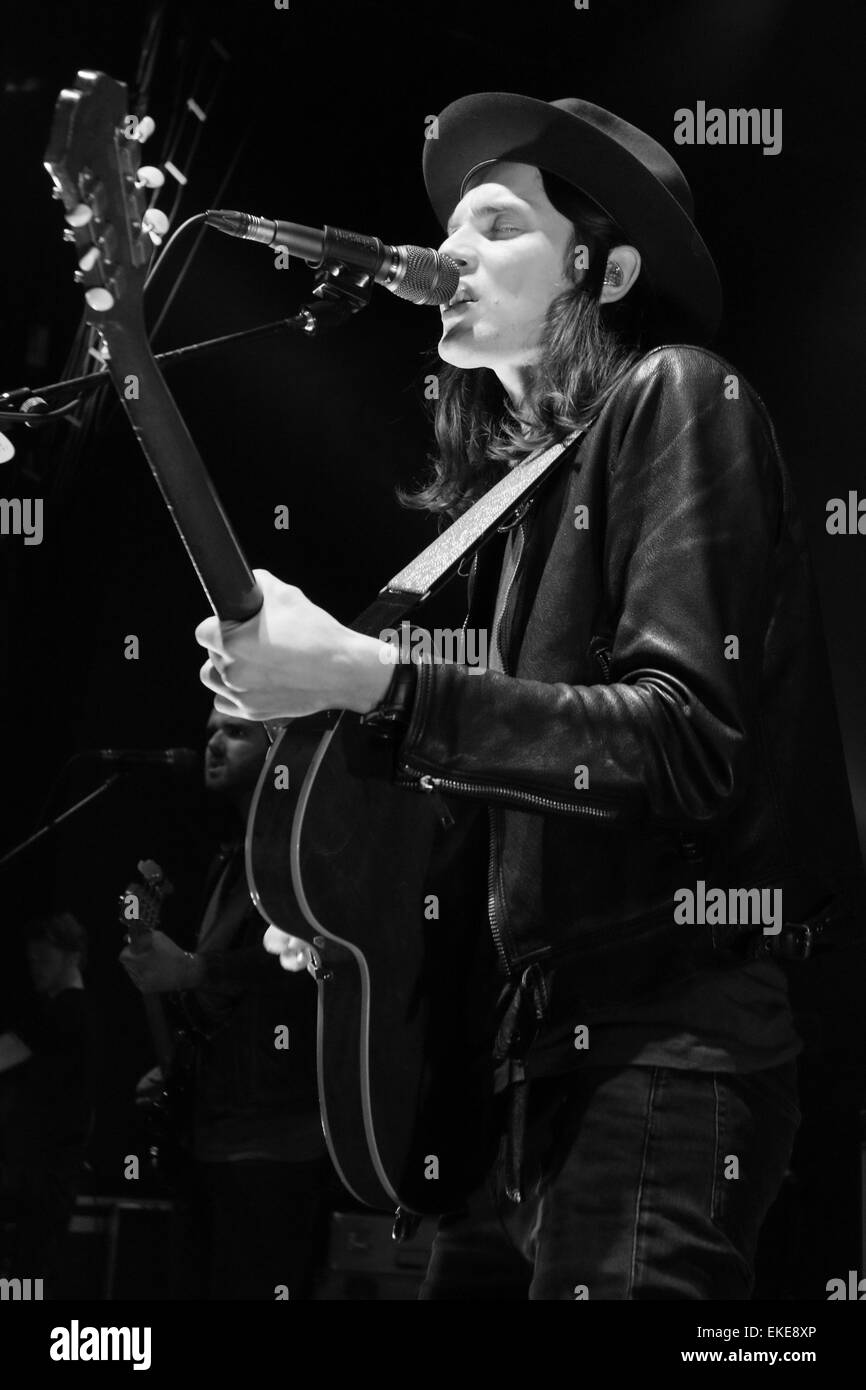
796	941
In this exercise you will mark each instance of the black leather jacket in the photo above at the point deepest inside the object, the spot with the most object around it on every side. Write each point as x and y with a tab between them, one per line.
707	758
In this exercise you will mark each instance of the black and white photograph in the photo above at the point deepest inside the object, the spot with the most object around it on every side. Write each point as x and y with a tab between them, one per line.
433	670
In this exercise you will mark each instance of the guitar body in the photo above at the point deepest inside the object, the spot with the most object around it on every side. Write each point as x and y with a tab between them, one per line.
405	1087
168	1115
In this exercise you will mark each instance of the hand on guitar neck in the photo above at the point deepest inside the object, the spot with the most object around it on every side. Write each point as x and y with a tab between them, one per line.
292	659
156	965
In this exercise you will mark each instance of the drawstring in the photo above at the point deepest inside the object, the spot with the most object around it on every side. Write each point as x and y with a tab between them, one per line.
512	1044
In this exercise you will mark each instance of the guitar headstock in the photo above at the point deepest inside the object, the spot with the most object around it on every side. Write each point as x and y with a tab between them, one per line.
93	158
140	905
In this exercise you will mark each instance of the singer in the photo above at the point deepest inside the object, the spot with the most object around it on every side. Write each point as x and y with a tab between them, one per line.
656	648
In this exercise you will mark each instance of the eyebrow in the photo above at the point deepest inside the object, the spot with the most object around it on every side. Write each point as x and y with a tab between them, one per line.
489	210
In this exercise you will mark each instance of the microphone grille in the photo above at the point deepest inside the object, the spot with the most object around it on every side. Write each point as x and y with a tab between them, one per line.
429	277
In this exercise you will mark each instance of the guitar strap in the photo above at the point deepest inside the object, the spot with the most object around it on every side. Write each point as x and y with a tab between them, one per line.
463	537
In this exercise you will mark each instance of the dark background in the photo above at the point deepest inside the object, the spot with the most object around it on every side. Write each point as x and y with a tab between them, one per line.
317	114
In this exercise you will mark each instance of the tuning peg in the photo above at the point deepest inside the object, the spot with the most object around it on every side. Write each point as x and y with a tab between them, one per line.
155	223
89	259
100	299
144	129
149	177
79	216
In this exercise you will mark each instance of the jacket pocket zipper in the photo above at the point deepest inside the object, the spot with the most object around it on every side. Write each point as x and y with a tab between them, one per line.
602	656
426	782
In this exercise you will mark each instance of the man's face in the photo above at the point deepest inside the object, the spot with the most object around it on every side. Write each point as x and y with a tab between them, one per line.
234	753
510	244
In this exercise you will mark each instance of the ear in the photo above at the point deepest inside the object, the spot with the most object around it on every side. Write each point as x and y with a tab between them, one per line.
622	270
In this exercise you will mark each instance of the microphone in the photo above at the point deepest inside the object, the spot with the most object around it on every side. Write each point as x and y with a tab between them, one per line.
416	273
181	759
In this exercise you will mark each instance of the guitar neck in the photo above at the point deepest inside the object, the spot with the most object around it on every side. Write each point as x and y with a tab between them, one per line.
93	160
181	476
160	1031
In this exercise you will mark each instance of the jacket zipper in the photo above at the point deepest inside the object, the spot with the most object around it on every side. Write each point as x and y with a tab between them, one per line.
601	651
426	782
492	915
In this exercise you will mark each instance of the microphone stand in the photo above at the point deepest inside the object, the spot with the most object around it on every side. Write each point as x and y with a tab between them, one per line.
49	825
341	290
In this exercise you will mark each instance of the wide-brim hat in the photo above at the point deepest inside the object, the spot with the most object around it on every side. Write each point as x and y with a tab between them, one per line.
631	177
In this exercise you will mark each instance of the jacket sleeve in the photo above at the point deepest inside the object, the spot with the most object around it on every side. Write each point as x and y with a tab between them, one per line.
694	504
248	968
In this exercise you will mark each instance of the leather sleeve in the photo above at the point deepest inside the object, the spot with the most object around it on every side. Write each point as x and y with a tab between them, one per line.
694	508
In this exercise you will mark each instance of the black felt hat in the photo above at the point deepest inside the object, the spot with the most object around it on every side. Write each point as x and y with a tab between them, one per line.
630	175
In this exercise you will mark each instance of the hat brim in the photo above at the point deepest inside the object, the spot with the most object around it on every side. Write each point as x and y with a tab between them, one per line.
503	125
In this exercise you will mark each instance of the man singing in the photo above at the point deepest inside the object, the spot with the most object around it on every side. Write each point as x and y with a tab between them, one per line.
657	675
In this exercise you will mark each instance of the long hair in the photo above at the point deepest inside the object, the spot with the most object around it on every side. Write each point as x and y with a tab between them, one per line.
585	348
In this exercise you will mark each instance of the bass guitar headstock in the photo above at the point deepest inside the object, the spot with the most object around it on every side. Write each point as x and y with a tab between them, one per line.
140	904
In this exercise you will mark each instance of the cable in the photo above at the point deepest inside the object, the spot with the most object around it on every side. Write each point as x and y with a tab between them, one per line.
198	217
17	417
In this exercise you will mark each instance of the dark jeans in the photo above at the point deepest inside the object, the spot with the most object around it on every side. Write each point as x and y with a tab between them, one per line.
640	1182
253	1227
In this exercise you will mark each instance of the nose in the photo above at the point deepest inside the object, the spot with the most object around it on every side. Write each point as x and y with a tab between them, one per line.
460	250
